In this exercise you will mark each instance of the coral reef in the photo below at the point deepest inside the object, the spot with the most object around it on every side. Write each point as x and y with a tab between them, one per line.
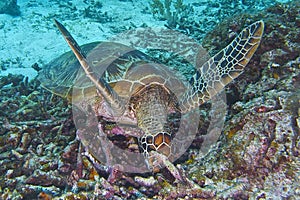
91	10
198	18
257	156
9	7
34	128
175	13
258	153
279	48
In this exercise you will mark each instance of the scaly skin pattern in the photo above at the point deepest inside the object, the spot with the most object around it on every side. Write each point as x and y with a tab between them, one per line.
222	68
142	97
153	106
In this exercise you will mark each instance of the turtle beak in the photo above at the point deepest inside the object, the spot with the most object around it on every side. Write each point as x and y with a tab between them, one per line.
110	96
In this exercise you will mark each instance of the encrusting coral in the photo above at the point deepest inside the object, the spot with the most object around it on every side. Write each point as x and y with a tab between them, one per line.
257	155
175	13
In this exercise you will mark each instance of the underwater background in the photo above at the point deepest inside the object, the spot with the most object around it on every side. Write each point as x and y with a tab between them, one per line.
257	154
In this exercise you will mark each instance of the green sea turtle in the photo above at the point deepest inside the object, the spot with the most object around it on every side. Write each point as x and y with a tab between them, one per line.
133	95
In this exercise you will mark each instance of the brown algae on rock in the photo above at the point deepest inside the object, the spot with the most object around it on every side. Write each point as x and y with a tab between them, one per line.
257	155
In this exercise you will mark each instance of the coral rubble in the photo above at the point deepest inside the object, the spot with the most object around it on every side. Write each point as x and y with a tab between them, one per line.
257	156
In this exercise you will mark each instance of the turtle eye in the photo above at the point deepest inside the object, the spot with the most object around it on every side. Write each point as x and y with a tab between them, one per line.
80	121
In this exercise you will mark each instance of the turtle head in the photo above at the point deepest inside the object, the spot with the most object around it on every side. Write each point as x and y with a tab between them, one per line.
160	143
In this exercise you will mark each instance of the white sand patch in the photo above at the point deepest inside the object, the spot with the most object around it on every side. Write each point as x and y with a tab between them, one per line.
33	38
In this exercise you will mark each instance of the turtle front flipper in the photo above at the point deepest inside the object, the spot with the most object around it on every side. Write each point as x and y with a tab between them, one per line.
222	68
106	91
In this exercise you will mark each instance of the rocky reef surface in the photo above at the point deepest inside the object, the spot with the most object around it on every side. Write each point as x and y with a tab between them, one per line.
256	157
9	7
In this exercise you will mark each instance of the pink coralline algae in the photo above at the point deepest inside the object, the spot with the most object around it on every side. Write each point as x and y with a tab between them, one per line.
256	157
